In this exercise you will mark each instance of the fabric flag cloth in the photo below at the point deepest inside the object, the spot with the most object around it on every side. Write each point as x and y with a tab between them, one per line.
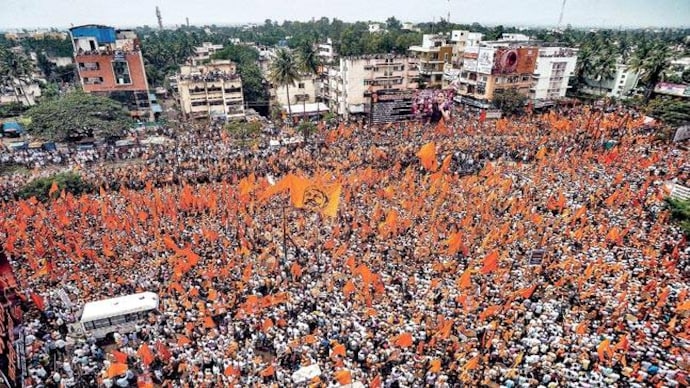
53	189
427	156
116	369
343	377
490	263
119	357
145	354
404	340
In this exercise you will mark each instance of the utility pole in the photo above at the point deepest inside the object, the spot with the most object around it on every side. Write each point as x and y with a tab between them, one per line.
160	18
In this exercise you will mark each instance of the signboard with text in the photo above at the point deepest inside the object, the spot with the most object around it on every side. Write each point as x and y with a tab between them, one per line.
393	106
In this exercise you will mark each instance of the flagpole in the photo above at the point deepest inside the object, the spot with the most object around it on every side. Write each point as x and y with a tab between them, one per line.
285	233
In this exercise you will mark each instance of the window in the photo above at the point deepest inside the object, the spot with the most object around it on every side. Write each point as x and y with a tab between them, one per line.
93	80
300	85
121	70
88	66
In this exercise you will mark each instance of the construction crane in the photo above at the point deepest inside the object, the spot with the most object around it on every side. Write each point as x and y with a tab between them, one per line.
160	18
560	18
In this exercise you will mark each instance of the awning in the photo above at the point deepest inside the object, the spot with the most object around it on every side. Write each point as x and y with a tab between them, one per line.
312	107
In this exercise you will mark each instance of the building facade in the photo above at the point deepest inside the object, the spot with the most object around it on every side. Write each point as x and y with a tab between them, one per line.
203	53
211	91
493	67
109	63
620	85
348	87
433	55
304	91
554	69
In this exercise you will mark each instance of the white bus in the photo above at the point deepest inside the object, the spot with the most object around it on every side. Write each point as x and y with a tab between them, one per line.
120	314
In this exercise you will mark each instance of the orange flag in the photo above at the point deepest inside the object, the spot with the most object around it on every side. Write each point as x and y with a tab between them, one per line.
330	209
296	270
454	243
404	340
269	371
267	324
465	280
427	155
231	371
435	366
338	350
473	363
145	354
208	323
348	289
120	357
489	312
604	350
343	376
490	263
116	369
53	189
526	292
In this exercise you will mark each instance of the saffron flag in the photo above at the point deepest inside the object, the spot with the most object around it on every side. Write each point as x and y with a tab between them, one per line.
490	263
427	156
404	340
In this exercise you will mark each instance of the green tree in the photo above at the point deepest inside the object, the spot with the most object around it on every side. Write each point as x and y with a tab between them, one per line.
306	128
244	132
671	111
680	213
284	72
393	24
67	181
78	115
509	101
651	59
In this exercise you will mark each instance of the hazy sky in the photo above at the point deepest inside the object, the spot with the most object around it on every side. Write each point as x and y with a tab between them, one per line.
612	13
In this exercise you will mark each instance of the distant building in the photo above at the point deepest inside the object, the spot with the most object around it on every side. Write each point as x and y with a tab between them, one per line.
435	52
555	66
20	92
109	63
624	80
408	26
304	91
326	51
212	90
204	52
349	86
514	38
375	27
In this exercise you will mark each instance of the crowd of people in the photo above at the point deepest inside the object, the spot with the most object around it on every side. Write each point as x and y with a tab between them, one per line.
533	251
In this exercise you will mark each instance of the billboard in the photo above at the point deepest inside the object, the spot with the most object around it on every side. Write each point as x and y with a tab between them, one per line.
670	89
391	106
527	59
485	60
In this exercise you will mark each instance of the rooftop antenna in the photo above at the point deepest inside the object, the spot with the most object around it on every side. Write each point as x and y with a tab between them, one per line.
160	18
560	18
448	20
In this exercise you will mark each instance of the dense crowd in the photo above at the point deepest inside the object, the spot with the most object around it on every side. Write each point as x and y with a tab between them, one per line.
427	276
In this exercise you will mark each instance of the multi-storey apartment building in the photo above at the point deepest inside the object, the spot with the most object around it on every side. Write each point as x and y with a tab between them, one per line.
349	86
434	54
213	90
555	66
109	63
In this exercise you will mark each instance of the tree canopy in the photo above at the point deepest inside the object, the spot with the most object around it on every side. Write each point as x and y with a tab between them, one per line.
78	115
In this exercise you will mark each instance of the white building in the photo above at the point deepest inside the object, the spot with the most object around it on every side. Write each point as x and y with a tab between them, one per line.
623	81
409	26
514	38
326	52
204	52
304	91
375	27
20	92
213	90
555	66
351	83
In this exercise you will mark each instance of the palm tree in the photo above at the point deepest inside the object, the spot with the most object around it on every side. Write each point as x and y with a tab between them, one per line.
650	60
603	68
284	71
309	63
15	70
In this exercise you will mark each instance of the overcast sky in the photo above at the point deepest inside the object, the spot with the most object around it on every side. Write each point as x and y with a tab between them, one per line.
611	13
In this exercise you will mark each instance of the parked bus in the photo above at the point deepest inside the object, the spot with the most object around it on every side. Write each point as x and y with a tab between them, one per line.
120	314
